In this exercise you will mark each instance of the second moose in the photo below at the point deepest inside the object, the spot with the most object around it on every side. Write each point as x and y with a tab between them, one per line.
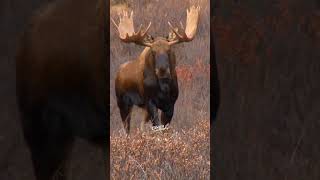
150	81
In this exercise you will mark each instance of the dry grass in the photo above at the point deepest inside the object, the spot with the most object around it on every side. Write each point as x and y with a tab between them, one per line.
183	151
168	155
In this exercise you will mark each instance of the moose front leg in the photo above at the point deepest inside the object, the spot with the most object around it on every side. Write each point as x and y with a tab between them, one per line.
167	114
153	111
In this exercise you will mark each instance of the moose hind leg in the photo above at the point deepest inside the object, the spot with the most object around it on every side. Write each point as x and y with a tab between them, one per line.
153	111
125	105
125	113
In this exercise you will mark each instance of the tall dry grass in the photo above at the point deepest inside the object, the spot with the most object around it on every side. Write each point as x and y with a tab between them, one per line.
168	155
183	151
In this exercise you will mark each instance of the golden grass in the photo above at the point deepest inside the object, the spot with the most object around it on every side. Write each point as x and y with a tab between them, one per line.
162	155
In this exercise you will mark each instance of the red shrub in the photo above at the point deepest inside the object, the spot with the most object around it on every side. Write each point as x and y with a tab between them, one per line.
187	73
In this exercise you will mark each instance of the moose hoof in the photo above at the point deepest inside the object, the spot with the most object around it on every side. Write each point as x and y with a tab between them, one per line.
158	128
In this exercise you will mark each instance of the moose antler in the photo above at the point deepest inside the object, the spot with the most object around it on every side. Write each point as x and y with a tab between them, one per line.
126	30
191	26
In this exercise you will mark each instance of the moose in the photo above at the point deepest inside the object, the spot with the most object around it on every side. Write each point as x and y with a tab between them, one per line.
150	81
61	82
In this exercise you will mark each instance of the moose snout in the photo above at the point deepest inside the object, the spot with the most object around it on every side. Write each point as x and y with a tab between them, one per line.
163	73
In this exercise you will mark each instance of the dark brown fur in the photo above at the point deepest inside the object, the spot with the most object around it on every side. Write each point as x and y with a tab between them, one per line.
138	83
62	81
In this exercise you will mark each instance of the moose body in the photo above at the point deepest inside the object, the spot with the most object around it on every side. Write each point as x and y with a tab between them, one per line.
62	82
137	84
150	81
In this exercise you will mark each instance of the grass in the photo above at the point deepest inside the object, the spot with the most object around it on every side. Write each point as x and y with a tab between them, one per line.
183	151
169	155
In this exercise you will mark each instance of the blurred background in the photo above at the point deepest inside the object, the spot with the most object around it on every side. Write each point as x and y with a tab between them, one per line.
15	161
268	64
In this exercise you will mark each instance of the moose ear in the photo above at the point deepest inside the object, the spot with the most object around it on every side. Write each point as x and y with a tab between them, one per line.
172	36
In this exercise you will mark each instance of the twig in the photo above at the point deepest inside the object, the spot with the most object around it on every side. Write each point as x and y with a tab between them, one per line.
144	173
296	147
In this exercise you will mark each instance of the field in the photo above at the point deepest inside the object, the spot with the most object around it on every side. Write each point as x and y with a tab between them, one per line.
183	151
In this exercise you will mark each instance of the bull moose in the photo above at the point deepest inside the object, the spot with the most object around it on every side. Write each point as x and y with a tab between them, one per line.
150	81
61	75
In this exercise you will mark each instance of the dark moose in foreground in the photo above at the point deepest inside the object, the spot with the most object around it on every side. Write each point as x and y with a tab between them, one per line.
62	82
150	81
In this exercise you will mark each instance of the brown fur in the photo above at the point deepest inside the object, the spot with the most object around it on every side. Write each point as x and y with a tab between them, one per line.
139	77
61	81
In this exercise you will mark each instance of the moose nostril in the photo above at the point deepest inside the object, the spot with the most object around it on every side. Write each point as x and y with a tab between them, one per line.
163	73
160	71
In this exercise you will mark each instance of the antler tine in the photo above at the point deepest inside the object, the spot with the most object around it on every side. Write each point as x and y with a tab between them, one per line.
181	25
125	13
139	30
191	26
126	29
147	29
131	15
175	31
